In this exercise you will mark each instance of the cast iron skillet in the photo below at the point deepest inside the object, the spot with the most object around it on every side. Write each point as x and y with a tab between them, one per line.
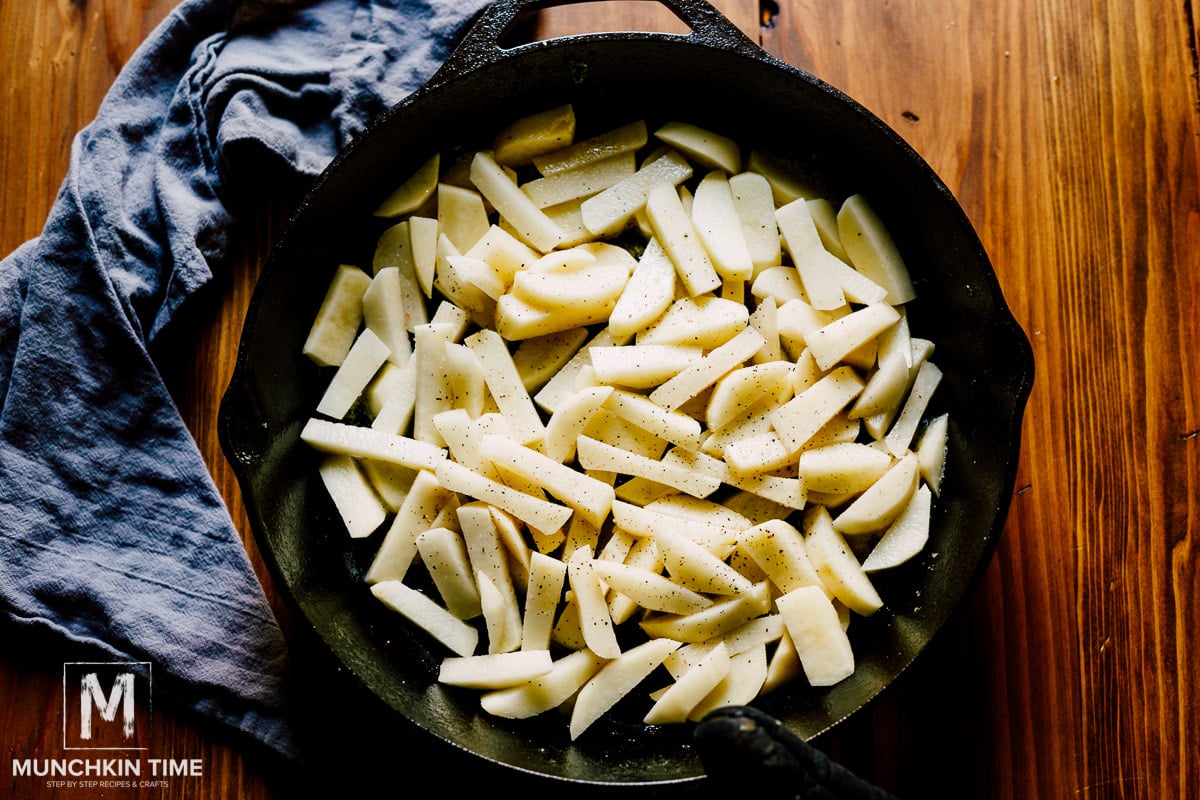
714	77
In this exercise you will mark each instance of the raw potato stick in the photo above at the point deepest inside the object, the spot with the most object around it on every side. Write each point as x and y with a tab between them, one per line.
542	515
363	442
708	370
506	386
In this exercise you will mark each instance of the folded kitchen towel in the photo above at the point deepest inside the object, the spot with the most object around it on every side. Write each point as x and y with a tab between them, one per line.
112	534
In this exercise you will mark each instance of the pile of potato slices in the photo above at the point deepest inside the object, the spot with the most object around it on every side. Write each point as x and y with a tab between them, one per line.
625	407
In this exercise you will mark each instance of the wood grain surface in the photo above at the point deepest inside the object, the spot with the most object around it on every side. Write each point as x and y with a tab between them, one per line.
1068	131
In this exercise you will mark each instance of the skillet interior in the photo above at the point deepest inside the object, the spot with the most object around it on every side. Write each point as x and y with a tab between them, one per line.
614	78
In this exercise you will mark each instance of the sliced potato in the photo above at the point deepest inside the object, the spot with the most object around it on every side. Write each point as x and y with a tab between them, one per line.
818	268
539	358
514	206
546	691
931	451
547	576
740	391
707	370
355	440
833	342
615	680
591	498
534	135
648	589
821	645
506	387
336	325
871	249
625	139
842	467
647	294
495	670
745	679
693	565
358	368
777	547
674	229
384	312
445	557
840	571
570	418
721	617
448	629
498	599
721	229
542	515
677	702
361	509
900	436
673	426
707	322
642	366
597	455
711	149
414	192
905	537
592	289
609	211
799	419
875	508
461	215
579	182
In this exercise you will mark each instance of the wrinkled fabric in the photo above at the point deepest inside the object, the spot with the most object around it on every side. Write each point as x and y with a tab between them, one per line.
112	533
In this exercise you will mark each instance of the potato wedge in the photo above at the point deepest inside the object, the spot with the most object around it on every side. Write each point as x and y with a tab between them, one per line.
778	548
822	646
711	149
547	691
445	557
609	211
414	192
358	505
495	670
647	294
905	537
840	571
875	508
650	590
336	325
677	702
716	219
615	680
458	636
597	626
534	135
872	250
674	229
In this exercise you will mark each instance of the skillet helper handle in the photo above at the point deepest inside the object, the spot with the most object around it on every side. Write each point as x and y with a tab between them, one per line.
481	44
742	746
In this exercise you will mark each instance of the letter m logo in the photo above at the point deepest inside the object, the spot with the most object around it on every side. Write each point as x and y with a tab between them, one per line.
110	704
92	695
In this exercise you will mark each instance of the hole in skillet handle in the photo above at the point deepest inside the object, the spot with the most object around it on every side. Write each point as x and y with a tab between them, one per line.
589	17
510	25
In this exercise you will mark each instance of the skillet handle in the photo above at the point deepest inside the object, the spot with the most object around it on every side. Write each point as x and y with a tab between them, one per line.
481	45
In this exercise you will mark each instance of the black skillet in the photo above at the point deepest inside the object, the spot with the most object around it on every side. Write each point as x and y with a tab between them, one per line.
715	77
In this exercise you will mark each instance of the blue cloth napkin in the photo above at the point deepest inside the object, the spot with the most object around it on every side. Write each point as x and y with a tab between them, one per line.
112	534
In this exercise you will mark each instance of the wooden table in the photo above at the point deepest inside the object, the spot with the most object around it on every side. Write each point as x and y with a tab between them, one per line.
1069	133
